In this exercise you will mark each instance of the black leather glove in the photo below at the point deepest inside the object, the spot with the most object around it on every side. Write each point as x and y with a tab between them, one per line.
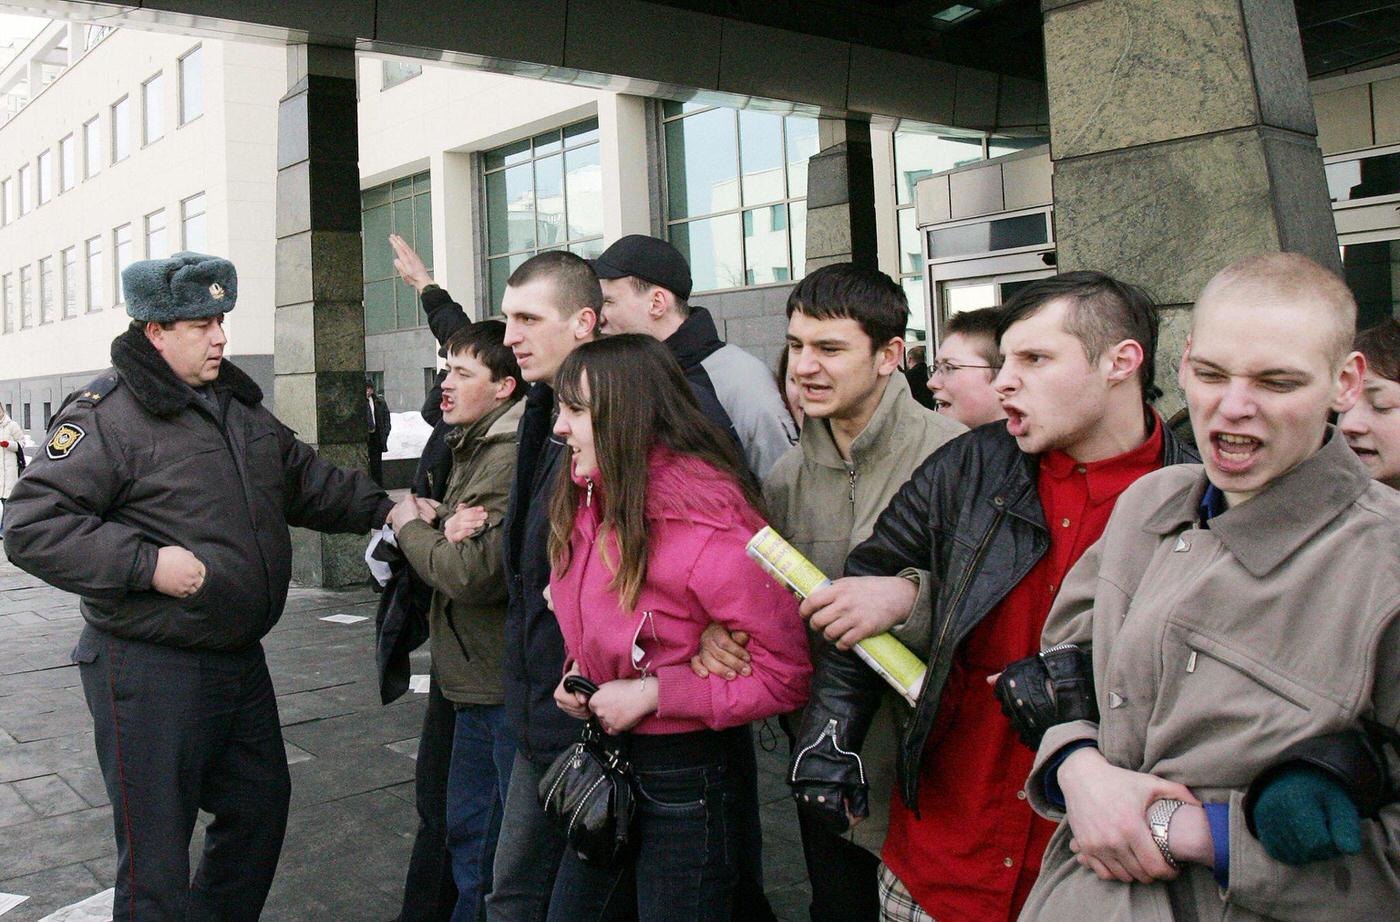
827	780
1053	687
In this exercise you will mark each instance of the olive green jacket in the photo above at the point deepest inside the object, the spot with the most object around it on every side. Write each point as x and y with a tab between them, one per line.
466	620
825	506
1214	650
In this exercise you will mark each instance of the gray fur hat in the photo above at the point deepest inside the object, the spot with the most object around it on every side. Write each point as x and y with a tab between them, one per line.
187	286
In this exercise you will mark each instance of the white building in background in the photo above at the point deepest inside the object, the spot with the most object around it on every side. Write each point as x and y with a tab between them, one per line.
120	146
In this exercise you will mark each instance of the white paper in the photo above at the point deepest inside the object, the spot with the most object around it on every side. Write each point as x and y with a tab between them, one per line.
345	619
9	901
378	568
97	908
418	684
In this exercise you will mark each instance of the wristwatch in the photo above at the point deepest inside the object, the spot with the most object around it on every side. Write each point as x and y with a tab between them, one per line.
1159	820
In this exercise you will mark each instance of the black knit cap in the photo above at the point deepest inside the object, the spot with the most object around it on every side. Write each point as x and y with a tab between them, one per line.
649	259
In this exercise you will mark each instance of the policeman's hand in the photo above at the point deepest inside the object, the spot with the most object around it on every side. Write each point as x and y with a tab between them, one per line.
721	652
404	511
1304	816
464	523
178	572
1107	811
857	607
409	265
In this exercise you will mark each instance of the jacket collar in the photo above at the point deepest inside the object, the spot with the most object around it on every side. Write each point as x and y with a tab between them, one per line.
501	421
1017	490
1268	529
819	442
158	389
696	339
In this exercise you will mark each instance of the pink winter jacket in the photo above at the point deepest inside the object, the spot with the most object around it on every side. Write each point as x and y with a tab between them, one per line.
697	573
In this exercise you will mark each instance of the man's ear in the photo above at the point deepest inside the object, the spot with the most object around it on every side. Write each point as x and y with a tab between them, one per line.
585	323
657	303
505	387
1123	360
1181	366
155	334
1350	381
889	357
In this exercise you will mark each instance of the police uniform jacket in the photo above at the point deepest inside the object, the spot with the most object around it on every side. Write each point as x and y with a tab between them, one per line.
1215	649
137	461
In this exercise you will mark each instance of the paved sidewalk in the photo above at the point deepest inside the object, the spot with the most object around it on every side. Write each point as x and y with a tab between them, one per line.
352	818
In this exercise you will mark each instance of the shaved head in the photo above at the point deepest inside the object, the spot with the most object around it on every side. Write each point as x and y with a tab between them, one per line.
1288	279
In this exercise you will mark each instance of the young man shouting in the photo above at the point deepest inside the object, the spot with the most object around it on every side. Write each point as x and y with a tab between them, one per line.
1246	655
997	516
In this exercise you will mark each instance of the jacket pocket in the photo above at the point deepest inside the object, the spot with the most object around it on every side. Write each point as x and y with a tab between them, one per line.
1253	671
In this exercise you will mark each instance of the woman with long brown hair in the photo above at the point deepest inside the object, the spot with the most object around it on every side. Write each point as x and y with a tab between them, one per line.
647	533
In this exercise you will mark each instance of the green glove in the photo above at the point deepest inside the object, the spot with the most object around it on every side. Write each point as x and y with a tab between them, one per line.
1305	816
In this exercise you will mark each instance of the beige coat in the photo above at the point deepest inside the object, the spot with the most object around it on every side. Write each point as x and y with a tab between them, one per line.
825	507
1216	649
11	432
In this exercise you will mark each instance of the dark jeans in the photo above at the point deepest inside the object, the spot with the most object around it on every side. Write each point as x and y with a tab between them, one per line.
687	839
482	753
178	731
429	894
527	851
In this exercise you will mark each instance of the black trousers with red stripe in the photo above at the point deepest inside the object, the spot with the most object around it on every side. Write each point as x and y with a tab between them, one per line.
178	731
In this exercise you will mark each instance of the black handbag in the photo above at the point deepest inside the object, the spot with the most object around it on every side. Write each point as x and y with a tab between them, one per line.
589	789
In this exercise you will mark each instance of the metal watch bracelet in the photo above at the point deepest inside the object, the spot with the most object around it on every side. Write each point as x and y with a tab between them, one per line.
1159	820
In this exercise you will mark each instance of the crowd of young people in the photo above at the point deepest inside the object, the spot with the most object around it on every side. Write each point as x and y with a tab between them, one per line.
1162	679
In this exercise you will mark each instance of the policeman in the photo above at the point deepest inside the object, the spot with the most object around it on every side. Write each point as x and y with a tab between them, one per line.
163	498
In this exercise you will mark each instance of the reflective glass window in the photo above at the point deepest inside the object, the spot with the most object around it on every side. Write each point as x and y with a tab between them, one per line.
403	207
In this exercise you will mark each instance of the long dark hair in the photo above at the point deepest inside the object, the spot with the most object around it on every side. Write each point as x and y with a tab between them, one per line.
638	398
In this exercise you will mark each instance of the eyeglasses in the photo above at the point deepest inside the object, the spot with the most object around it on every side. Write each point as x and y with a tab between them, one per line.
946	368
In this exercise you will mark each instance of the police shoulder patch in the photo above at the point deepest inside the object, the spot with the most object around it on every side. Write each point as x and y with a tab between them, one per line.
64	439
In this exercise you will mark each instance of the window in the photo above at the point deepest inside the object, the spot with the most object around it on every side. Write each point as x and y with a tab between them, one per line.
395	72
46	290
26	297
191	86
92	255
916	155
26	189
736	192
7	203
48	413
402	207
121	129
67	164
429	380
152	109
121	258
70	282
28	415
45	176
92	147
542	193
155	235
7	293
192	230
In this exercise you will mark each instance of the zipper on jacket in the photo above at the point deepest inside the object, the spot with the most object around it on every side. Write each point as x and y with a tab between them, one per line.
962	590
851	475
828	730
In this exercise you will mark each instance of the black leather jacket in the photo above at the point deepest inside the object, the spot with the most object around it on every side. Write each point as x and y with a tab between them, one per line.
972	517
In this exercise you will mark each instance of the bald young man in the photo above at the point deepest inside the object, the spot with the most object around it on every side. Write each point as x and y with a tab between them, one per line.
1246	659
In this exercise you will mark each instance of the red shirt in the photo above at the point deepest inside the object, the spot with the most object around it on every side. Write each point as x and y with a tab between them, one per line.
974	851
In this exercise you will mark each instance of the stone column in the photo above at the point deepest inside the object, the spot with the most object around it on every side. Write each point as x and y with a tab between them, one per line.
841	196
319	354
1183	138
